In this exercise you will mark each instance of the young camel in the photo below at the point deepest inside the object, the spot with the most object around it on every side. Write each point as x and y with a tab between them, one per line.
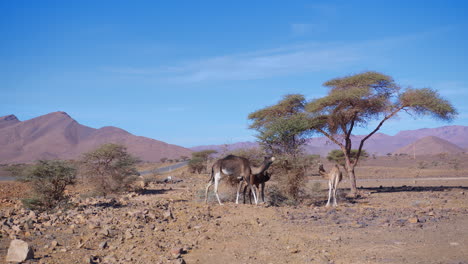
238	167
334	178
258	180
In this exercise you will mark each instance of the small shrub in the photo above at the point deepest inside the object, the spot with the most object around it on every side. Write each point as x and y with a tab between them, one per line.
110	168
49	180
422	165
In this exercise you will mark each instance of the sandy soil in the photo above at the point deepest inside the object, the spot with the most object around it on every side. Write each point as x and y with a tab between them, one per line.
395	221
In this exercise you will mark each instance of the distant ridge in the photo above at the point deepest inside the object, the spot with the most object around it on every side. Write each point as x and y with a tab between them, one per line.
379	144
430	145
58	136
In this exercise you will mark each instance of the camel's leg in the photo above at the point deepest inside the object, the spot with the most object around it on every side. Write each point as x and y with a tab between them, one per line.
263	191
253	191
216	183
329	192
244	191
207	189
239	187
335	189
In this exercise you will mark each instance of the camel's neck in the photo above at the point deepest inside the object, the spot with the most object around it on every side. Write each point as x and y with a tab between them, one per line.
262	168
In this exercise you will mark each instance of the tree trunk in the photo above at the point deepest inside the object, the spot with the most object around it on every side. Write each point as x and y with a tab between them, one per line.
352	180
352	176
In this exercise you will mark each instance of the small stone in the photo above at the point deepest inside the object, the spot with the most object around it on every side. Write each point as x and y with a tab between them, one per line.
454	244
19	251
54	244
413	220
176	252
168	215
179	261
103	245
128	234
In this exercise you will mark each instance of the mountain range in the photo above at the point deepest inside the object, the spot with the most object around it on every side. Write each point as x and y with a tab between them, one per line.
379	143
58	136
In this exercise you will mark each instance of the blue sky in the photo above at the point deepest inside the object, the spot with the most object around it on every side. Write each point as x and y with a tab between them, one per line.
189	72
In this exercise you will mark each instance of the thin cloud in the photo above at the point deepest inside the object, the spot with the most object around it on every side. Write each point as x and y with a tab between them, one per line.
281	61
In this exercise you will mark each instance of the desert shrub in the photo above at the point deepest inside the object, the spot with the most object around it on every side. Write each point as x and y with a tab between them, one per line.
455	164
199	161
110	169
422	165
290	173
19	171
337	156
48	181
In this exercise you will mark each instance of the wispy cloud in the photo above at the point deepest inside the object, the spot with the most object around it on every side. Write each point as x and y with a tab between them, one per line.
281	61
253	65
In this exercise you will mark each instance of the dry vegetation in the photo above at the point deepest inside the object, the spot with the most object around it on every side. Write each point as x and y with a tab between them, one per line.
396	220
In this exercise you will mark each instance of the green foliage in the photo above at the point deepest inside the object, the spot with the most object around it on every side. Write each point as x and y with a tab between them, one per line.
199	160
338	156
352	101
282	128
204	154
110	168
427	101
19	171
49	180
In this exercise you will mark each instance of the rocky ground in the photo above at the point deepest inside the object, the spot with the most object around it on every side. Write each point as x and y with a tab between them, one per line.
169	223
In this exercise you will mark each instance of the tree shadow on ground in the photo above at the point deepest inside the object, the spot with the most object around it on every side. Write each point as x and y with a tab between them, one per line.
153	191
405	188
112	204
342	197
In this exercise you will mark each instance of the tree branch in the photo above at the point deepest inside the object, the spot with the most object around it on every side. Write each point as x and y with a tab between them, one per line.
331	138
373	132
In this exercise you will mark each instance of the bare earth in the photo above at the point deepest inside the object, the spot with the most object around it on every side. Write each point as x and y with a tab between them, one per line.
422	221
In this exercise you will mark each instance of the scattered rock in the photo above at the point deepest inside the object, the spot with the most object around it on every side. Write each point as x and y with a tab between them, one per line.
176	252
19	251
168	215
179	261
103	245
54	244
413	220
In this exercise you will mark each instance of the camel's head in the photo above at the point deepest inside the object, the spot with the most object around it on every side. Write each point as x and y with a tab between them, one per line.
269	159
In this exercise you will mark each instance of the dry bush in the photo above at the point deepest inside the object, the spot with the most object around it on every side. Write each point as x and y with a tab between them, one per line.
48	182
290	173
110	169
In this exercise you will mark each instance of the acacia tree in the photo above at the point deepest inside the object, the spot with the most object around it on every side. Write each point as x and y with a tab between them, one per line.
356	100
282	128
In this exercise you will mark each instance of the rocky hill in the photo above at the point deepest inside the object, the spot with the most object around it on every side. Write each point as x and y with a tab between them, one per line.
379	143
430	145
58	136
